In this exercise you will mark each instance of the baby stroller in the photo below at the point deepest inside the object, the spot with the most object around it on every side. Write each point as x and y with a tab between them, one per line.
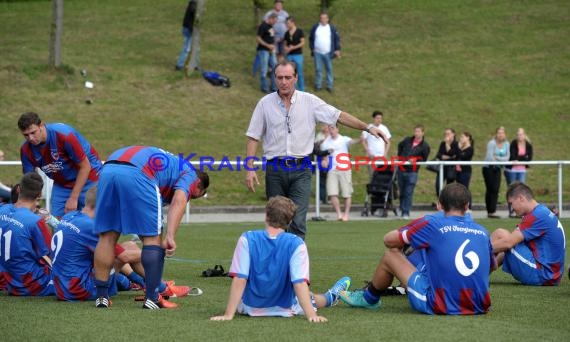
381	192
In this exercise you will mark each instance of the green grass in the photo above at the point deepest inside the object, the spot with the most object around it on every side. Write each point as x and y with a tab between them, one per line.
472	65
335	249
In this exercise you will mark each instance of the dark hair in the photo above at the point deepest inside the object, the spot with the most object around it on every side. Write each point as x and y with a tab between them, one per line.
420	127
204	179
454	196
290	18
31	186
468	135
91	197
285	63
14	193
376	113
28	119
279	212
519	189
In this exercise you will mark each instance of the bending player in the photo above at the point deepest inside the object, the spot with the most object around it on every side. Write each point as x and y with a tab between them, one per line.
74	243
133	185
270	271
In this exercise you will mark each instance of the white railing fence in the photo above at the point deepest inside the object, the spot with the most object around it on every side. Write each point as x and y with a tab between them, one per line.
381	164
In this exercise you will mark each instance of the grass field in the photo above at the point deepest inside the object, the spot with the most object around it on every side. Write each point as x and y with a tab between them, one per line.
472	65
335	249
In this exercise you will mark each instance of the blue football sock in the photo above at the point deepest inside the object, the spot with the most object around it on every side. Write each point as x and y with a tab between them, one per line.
102	288
370	298
136	278
162	287
152	259
123	283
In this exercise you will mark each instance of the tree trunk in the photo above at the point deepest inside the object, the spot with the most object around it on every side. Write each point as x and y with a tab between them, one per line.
194	63
256	15
56	33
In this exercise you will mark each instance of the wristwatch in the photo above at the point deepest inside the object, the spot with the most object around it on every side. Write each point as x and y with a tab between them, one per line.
369	127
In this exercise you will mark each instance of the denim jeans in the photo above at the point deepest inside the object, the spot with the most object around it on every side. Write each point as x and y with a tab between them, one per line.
185	48
407	182
295	185
320	60
266	60
515	176
298	59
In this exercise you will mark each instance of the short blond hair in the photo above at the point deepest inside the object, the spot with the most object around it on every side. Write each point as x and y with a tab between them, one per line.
279	212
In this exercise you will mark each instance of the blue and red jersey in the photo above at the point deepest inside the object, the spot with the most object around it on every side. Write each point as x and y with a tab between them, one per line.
59	156
544	236
166	170
24	238
73	245
457	259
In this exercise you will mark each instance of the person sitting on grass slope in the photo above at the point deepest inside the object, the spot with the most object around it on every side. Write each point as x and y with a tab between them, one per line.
270	270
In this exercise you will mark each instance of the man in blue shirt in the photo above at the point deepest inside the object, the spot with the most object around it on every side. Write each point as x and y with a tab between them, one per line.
534	252
63	155
135	183
24	241
452	276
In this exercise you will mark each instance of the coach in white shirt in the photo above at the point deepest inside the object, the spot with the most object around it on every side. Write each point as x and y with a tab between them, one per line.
285	120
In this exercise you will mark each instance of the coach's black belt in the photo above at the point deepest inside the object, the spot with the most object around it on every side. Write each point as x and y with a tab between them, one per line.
288	161
119	162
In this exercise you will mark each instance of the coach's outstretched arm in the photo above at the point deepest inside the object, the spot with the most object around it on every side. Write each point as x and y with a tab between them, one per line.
351	121
251	179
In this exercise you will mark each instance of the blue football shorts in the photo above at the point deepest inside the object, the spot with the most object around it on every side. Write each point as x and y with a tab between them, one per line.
520	263
128	202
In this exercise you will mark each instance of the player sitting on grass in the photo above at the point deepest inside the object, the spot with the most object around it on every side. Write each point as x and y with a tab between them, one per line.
534	252
270	270
456	259
74	245
25	237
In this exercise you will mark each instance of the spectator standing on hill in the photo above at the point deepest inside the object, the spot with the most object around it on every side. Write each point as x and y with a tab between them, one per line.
285	121
324	42
280	26
294	42
187	27
266	52
416	147
520	149
376	147
534	252
497	150
63	155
